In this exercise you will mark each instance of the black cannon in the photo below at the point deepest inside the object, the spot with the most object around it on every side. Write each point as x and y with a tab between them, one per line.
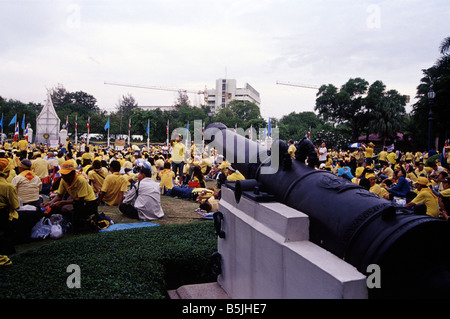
347	220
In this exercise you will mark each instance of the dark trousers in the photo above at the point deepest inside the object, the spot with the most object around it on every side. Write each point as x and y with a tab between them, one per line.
178	167
129	211
81	213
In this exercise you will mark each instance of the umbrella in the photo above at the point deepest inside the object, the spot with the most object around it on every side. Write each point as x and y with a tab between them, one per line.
354	145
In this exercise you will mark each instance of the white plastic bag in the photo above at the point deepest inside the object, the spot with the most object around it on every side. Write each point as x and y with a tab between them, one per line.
56	231
41	229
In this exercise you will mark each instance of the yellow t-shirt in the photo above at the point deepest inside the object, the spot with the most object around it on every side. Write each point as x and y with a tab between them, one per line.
383	156
392	157
378	190
97	177
9	198
426	197
178	151
291	150
112	186
80	188
235	176
22	144
167	176
369	152
41	167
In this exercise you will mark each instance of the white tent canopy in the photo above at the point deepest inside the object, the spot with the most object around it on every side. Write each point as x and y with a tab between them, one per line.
47	124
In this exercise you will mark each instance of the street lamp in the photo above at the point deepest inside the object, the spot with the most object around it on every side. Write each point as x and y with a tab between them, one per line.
431	97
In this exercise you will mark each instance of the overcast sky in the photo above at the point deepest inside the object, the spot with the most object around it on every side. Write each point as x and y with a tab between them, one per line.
189	44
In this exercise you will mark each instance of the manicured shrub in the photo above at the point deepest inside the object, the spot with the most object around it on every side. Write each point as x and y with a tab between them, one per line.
135	263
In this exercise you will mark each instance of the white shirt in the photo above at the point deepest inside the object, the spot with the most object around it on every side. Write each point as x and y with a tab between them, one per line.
148	201
323	156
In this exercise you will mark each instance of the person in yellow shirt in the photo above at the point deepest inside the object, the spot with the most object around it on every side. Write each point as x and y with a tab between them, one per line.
234	175
291	148
376	188
114	186
382	156
178	157
96	176
425	196
22	144
166	178
77	191
368	154
9	203
392	157
41	166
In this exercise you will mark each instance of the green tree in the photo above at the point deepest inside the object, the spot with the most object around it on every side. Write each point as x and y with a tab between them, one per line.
438	78
345	106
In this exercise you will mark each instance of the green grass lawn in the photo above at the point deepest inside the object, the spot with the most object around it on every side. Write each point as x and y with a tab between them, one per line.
136	263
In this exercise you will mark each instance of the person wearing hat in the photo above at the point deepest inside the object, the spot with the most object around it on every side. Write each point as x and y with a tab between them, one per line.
28	184
376	188
425	196
234	175
9	203
81	195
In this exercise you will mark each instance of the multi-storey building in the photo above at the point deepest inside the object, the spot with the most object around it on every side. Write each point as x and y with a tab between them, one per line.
227	91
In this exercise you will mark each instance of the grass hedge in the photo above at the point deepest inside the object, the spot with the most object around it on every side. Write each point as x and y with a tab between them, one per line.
141	263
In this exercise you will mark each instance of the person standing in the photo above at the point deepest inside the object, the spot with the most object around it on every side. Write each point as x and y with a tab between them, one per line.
178	157
323	153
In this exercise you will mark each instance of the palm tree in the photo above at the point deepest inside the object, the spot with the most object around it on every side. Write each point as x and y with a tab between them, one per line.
387	118
445	46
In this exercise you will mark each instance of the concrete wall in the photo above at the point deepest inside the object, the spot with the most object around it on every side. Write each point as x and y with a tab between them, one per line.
266	254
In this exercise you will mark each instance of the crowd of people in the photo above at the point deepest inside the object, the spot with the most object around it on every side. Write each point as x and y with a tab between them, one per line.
74	181
417	180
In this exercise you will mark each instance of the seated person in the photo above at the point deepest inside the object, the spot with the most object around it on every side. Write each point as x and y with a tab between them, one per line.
114	186
197	176
376	188
28	184
80	194
402	188
143	201
425	196
96	175
166	176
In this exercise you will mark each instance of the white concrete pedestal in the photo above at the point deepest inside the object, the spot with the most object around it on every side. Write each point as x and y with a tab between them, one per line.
266	254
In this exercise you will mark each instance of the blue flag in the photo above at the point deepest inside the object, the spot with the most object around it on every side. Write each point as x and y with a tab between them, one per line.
107	125
1	122
148	127
187	130
13	121
23	122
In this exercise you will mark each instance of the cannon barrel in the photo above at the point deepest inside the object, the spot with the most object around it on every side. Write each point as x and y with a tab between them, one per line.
347	220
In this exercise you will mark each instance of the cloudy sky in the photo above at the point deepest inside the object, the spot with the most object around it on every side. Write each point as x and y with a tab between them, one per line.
189	44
